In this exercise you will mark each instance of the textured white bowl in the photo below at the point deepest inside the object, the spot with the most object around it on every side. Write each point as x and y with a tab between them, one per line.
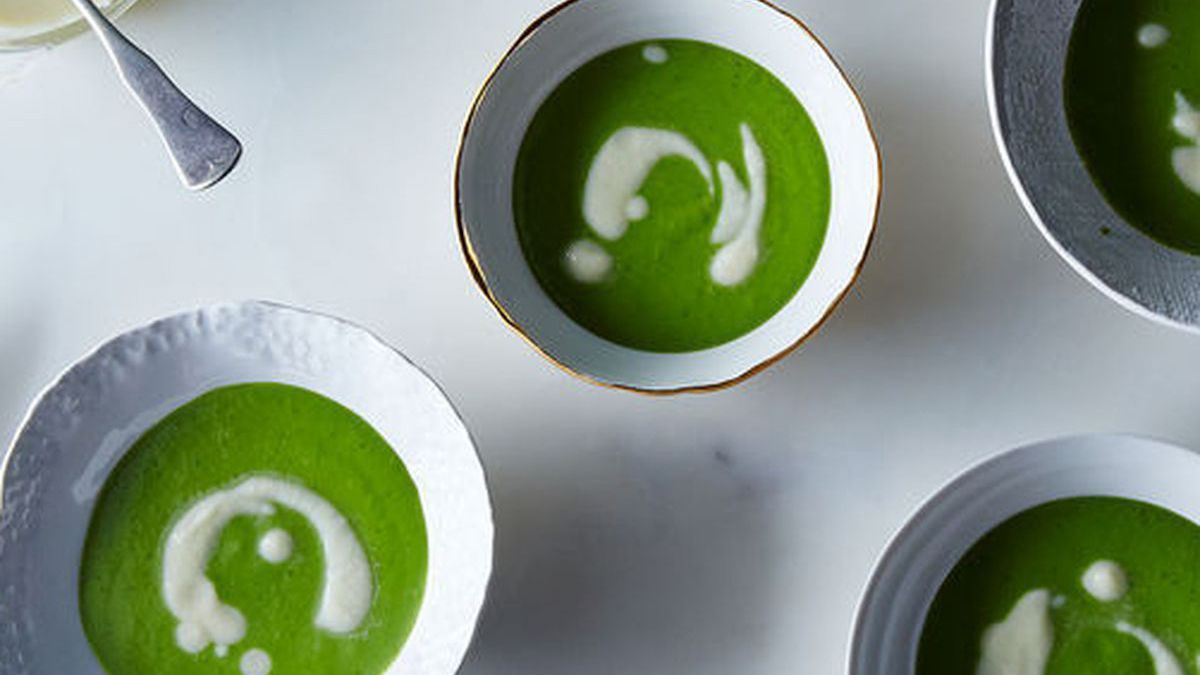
892	612
573	34
82	425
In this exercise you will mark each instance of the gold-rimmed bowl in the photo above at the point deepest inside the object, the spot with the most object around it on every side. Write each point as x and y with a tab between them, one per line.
45	29
563	40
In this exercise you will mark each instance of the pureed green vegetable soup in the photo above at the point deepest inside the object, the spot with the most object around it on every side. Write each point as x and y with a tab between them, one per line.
260	528
671	196
1132	89
1081	585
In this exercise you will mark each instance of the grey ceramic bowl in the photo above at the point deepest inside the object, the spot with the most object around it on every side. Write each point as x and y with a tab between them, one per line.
1026	58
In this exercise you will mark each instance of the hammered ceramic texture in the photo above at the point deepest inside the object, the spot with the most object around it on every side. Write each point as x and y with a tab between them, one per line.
918	559
1029	40
83	423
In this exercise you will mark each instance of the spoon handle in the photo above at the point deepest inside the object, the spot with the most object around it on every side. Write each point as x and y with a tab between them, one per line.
202	150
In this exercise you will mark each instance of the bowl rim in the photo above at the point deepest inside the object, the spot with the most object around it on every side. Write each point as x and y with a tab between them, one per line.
1014	178
89	355
471	257
946	490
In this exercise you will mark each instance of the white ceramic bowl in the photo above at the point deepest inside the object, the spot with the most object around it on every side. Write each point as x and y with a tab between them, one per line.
83	423
892	612
573	34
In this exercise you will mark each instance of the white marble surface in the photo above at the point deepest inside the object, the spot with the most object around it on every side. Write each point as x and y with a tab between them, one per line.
716	534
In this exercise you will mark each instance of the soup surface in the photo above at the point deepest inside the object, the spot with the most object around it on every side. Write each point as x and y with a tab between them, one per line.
258	528
1132	91
1080	585
671	196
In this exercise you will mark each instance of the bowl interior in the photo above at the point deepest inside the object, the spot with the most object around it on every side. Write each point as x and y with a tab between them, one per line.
919	558
1028	42
54	31
583	30
84	423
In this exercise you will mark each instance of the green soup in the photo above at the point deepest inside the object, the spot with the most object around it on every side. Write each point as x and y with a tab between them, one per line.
269	567
1048	551
1131	90
671	196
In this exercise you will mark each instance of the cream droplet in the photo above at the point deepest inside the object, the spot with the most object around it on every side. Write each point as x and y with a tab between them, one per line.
1105	581
275	546
1164	660
1185	159
255	662
620	168
637	208
587	262
655	54
1153	35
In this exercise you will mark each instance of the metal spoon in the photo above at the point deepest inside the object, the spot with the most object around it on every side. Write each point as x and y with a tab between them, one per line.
203	151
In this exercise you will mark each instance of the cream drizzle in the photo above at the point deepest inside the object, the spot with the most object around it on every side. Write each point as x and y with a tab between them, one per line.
1165	662
1021	643
1186	159
191	596
740	217
622	165
611	201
